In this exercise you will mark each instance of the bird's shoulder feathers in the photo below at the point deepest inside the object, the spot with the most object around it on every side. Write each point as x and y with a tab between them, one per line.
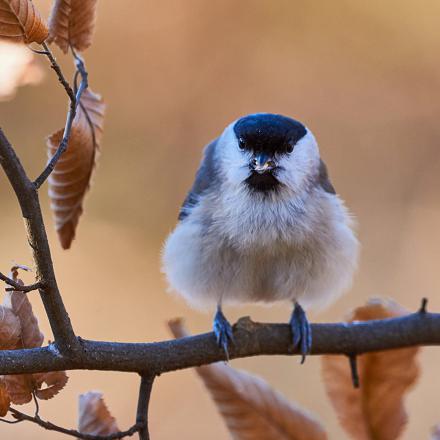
324	179
206	178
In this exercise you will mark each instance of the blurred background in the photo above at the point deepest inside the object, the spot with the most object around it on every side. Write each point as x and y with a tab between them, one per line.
364	76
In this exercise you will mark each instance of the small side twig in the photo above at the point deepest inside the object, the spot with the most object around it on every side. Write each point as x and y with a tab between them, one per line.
17	286
20	417
143	403
37	405
74	102
423	307
56	67
354	370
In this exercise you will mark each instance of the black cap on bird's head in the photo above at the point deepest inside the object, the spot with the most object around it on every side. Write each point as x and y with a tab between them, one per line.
268	133
267	136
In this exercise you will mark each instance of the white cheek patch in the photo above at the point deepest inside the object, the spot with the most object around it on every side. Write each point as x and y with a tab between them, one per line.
298	166
234	162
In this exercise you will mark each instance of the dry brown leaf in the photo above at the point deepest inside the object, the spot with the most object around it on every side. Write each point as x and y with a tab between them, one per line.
20	387
5	400
10	329
72	22
375	411
94	417
19	303
251	409
70	179
21	22
55	381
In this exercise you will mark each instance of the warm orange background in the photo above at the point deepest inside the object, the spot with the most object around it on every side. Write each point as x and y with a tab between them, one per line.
363	75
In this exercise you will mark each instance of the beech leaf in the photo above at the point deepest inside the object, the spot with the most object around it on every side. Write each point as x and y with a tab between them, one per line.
21	22
375	411
5	400
251	409
10	329
72	22
94	417
20	387
19	303
55	381
70	179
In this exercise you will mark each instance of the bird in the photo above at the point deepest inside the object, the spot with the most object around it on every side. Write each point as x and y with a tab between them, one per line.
262	223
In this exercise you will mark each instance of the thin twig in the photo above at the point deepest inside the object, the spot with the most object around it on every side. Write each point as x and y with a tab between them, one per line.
143	403
56	67
424	306
19	287
74	102
37	405
354	370
52	427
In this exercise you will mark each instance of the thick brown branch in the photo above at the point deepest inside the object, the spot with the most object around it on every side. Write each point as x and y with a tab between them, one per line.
27	196
20	417
251	339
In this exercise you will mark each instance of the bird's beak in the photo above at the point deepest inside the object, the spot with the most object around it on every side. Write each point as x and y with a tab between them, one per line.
262	163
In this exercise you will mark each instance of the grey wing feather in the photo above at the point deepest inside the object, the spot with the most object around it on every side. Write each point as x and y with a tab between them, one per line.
206	177
324	179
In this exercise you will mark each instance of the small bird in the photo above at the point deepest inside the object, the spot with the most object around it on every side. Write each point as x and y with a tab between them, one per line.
262	223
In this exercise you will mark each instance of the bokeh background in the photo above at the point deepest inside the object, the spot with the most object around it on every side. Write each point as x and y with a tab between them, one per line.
364	76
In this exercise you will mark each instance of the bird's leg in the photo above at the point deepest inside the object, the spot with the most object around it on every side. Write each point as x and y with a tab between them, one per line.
301	331
222	330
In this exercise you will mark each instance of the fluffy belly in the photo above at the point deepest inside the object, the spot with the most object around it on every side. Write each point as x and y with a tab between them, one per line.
206	272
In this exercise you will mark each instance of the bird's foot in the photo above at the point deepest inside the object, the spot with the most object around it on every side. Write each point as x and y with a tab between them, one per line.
223	331
301	331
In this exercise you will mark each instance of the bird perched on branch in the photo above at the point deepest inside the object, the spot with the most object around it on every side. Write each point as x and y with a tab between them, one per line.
262	223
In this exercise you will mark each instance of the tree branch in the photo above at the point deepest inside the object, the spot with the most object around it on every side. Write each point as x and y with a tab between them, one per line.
251	339
74	102
143	403
19	287
56	67
20	417
27	196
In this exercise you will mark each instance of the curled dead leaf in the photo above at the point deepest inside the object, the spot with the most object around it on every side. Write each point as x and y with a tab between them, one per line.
55	381
70	179
19	303
5	400
251	409
10	329
375	410
72	22
19	387
94	417
21	22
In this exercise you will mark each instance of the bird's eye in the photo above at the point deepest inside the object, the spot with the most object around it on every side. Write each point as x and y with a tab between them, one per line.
289	147
241	143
